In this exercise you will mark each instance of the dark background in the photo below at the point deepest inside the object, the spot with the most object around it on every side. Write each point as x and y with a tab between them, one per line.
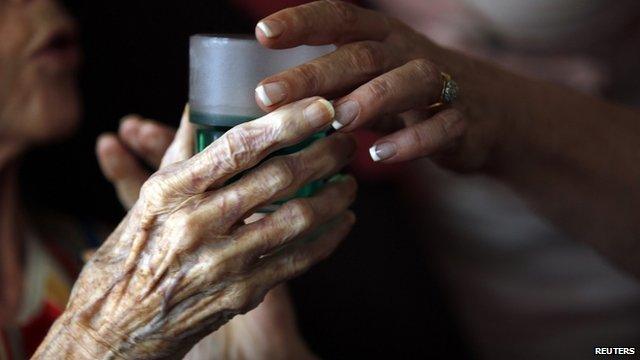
374	297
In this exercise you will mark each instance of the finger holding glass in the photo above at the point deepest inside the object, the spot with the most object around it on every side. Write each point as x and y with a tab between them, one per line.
182	263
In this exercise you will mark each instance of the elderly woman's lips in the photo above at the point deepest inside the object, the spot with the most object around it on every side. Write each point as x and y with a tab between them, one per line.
60	49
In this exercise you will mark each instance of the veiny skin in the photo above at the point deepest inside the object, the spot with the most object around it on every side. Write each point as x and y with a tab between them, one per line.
267	332
182	262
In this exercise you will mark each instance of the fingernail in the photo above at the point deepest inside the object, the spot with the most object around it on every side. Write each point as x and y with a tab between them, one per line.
318	113
382	151
345	113
270	28
271	93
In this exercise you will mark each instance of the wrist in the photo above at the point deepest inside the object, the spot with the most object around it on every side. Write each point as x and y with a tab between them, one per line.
68	339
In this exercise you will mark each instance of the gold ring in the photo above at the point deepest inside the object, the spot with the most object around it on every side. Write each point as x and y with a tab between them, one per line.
449	91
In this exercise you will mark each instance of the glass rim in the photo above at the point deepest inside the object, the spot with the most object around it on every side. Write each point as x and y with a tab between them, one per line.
225	36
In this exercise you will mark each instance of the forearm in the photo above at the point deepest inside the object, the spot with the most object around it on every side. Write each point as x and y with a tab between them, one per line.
574	158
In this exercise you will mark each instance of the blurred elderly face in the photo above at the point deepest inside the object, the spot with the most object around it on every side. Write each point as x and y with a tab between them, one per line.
38	60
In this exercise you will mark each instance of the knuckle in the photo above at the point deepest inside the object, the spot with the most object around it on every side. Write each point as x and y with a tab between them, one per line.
248	298
368	56
289	266
442	132
343	11
309	76
302	260
379	88
264	243
240	298
426	69
453	124
240	138
237	147
155	187
301	15
303	213
281	173
229	204
184	223
418	139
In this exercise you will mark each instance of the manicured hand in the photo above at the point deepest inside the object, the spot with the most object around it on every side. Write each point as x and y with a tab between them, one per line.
383	74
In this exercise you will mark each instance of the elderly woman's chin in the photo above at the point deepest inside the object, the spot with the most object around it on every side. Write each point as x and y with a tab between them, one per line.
51	112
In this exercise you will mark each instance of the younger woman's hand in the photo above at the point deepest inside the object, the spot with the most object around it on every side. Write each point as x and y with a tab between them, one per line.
385	75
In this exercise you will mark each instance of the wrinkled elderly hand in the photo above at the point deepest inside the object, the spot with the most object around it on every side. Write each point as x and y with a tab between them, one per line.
382	74
182	263
266	332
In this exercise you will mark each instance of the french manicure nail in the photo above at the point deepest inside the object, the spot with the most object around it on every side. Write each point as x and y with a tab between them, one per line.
345	113
382	151
271	93
318	113
270	28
